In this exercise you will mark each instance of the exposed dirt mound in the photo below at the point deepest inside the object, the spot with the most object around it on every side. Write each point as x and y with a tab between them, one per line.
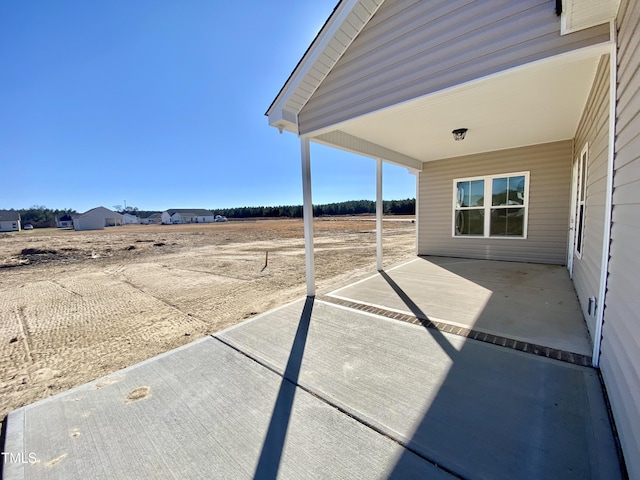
38	251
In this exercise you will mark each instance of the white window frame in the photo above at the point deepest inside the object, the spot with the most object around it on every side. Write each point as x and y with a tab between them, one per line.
488	187
581	201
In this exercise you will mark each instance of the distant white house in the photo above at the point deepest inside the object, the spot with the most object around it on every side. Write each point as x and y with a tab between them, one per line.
186	215
129	219
154	218
97	218
9	221
65	221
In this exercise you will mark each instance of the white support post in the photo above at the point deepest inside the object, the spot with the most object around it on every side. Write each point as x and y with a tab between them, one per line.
379	211
606	241
417	174
307	212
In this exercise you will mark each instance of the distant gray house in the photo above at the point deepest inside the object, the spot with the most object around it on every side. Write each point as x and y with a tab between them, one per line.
9	221
542	98
96	219
187	215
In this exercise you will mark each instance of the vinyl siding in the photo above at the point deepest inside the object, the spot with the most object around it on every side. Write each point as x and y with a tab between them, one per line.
10	226
549	191
342	38
412	48
593	130
620	358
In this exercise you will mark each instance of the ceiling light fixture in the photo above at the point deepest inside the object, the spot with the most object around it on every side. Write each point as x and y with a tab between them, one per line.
459	133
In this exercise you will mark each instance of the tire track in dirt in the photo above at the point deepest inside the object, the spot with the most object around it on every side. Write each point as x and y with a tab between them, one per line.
119	275
24	334
66	289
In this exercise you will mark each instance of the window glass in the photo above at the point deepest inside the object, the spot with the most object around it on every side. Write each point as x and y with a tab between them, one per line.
508	191
470	194
516	190
462	198
580	230
470	222
476	198
507	222
499	191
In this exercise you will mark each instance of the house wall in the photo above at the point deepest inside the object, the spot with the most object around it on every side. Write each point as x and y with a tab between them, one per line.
89	222
620	351
412	48
549	191
10	226
593	131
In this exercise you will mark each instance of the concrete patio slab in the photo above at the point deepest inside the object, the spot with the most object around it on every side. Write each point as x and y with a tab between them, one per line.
314	390
478	410
527	302
203	411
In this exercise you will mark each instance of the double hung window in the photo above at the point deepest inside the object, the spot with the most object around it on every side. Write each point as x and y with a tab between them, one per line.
582	195
491	206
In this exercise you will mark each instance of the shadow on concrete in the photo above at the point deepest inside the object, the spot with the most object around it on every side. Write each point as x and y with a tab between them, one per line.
505	416
271	454
436	334
524	302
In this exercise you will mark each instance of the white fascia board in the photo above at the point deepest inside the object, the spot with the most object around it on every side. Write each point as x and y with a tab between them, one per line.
277	113
283	120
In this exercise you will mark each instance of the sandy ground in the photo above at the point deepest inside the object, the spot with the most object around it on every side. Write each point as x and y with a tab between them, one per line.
75	306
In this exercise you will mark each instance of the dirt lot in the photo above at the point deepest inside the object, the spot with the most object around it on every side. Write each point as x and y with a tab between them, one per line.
75	306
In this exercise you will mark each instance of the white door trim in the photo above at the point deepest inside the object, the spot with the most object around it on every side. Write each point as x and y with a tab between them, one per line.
572	216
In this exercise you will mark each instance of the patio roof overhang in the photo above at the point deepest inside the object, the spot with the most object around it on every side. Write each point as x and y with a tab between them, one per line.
535	103
538	103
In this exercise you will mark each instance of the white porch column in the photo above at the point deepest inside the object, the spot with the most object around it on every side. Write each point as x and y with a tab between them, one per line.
307	212
608	212
417	174
379	211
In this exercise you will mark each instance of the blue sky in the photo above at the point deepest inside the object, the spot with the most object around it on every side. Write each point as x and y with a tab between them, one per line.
161	104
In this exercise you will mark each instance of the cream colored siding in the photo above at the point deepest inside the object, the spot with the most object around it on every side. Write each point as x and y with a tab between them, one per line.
412	48
312	74
620	360
593	130
549	190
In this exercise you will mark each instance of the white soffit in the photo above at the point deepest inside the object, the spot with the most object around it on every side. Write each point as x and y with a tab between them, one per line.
580	14
530	105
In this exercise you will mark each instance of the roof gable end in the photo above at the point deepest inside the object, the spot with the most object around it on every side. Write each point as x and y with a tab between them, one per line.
349	17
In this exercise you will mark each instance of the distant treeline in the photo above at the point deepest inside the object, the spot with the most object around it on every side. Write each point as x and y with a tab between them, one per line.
352	207
40	216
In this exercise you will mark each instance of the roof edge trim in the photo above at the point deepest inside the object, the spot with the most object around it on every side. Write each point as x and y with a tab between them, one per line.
333	24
